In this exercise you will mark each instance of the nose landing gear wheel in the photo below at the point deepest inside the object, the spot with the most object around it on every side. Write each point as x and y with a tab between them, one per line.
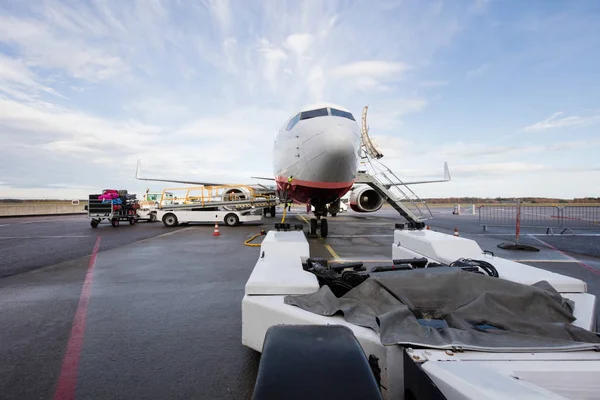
318	226
313	227
324	228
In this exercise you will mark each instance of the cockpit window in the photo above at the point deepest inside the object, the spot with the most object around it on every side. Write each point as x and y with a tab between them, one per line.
340	113
321	112
293	122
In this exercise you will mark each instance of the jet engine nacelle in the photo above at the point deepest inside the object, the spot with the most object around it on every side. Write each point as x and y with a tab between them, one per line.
365	199
236	194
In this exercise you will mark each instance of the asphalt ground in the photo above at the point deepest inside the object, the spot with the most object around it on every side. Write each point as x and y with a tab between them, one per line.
147	312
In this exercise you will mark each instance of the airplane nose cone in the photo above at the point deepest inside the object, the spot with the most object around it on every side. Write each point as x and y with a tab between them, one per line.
335	155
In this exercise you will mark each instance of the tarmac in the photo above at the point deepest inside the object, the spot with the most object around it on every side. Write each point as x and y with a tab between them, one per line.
149	312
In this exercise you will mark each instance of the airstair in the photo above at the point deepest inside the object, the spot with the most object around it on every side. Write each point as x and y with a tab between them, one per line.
379	177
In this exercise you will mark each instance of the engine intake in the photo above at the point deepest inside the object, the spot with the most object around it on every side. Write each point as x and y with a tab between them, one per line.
365	199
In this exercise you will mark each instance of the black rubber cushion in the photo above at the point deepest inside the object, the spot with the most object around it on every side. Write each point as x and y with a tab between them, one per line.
313	362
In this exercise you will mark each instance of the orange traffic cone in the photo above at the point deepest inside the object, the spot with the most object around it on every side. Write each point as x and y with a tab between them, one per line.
216	231
456	232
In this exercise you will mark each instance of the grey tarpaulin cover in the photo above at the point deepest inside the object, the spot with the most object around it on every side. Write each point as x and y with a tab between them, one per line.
454	308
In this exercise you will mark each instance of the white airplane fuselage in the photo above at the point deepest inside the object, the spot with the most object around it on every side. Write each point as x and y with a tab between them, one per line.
316	153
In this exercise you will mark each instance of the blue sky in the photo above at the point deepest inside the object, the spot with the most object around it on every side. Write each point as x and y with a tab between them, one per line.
508	92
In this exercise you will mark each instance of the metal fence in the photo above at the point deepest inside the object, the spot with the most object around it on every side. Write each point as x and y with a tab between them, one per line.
547	217
580	217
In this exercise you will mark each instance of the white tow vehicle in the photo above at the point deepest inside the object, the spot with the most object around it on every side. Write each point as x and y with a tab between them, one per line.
312	352
151	203
173	218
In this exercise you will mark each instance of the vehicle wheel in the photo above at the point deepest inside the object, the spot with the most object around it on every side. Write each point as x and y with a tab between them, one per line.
170	220
94	223
313	226
152	217
333	214
132	221
231	219
324	228
114	222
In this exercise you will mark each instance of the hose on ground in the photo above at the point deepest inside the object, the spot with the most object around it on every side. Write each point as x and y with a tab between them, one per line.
248	242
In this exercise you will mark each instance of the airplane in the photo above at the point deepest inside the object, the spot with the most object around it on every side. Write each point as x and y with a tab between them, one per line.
315	161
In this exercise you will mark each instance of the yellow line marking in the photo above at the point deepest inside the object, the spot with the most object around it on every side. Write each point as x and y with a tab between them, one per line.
305	220
328	247
333	253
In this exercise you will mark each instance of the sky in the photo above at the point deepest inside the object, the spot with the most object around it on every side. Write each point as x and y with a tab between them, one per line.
508	92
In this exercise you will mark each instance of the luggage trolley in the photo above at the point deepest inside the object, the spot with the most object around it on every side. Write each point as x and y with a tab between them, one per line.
123	208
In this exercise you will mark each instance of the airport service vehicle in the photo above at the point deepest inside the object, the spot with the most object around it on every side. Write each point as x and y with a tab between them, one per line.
316	156
228	204
119	206
447	320
150	204
172	218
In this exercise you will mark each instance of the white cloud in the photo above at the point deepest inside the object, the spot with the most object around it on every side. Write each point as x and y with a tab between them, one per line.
43	46
17	80
474	73
316	83
554	122
370	75
221	12
386	116
373	68
503	168
434	83
273	60
514	150
479	6
198	89
299	43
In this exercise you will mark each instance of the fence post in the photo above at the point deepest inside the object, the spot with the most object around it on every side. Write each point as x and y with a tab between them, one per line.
561	217
518	228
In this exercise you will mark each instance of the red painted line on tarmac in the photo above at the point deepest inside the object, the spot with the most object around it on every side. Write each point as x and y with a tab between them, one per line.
67	381
584	265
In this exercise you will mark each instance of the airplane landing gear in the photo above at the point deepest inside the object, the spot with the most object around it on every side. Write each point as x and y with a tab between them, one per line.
324	228
313	227
318	227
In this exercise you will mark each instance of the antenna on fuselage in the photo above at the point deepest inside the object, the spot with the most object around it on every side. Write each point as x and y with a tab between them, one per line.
367	145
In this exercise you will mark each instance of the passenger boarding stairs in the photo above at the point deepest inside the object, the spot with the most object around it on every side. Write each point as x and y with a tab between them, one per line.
379	177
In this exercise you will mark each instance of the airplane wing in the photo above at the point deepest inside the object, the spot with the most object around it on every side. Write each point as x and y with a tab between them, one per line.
260	177
138	177
447	178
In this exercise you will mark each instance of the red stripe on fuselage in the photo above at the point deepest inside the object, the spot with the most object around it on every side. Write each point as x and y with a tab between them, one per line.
302	191
316	185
